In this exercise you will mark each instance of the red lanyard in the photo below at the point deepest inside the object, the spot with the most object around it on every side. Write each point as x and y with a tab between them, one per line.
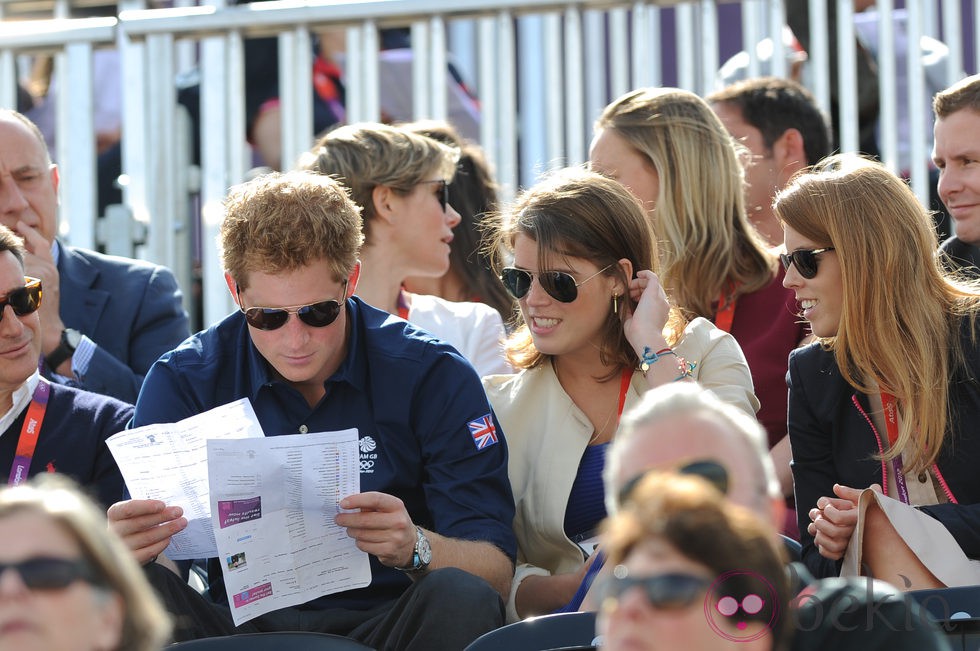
890	406
29	432
624	387
725	313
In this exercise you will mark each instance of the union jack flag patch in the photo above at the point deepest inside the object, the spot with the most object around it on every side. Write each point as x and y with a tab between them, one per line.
483	431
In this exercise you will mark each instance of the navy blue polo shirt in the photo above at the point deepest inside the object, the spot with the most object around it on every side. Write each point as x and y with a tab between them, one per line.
418	406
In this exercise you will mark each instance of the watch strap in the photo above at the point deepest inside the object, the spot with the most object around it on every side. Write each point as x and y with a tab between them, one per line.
417	564
61	353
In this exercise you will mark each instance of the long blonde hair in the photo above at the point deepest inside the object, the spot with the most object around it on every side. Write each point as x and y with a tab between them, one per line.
901	317
707	245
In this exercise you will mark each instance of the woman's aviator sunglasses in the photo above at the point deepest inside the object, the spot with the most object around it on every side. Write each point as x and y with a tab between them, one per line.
44	573
664	591
23	300
560	286
317	315
804	259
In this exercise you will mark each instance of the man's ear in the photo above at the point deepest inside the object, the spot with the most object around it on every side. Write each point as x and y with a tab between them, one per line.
55	178
789	154
233	288
355	274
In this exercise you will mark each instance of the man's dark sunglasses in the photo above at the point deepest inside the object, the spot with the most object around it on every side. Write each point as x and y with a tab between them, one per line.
663	591
711	471
443	194
23	300
560	286
44	573
317	315
804	259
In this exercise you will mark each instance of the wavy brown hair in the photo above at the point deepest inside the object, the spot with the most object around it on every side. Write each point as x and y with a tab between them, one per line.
574	213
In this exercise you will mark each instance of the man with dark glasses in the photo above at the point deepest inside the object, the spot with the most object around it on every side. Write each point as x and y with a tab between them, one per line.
47	427
104	319
435	509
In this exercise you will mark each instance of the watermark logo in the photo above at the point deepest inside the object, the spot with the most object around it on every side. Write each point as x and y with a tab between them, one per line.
729	612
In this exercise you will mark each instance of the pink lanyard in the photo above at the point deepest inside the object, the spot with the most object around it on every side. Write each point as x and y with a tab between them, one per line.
29	432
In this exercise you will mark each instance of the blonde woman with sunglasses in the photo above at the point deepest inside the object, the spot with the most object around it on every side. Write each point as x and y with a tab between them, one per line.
595	331
883	408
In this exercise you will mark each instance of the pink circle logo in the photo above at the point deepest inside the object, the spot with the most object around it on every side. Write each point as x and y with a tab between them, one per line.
725	611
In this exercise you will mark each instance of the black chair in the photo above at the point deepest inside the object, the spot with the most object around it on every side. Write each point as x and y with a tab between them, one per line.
565	631
794	550
272	642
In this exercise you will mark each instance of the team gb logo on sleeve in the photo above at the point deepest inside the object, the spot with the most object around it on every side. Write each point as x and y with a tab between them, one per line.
483	431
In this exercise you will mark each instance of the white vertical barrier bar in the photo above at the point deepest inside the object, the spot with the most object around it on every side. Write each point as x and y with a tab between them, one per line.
777	25
162	107
575	99
709	51
953	37
8	74
421	71
687	47
371	71
552	119
619	60
847	77
888	87
489	89
438	70
533	34
819	54
463	46
595	67
507	170
76	142
135	151
354	76
295	94
238	152
656	54
643	46
918	163
752	21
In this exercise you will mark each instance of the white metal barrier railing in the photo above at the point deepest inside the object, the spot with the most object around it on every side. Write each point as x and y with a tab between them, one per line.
543	69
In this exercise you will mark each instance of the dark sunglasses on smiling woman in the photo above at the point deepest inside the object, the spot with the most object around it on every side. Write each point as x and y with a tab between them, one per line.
443	192
23	300
560	286
317	315
44	573
662	591
804	259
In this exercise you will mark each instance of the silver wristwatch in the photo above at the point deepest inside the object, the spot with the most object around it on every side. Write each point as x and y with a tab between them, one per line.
421	556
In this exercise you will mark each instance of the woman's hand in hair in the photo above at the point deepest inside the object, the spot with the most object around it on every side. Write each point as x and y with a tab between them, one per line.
644	324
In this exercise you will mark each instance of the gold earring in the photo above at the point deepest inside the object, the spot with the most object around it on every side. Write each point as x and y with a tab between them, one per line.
615	303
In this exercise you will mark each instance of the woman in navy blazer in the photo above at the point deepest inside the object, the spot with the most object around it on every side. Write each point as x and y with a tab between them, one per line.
887	398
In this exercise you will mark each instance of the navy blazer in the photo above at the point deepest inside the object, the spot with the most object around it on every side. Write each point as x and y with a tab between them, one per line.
131	309
834	441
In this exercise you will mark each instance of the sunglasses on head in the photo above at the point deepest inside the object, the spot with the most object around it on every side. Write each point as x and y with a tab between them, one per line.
662	591
443	193
44	573
23	300
317	315
711	471
560	286
804	259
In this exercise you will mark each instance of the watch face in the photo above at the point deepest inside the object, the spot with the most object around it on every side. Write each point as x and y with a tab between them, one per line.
425	551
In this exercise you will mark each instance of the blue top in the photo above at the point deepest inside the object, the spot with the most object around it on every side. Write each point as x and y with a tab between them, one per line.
417	404
586	502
